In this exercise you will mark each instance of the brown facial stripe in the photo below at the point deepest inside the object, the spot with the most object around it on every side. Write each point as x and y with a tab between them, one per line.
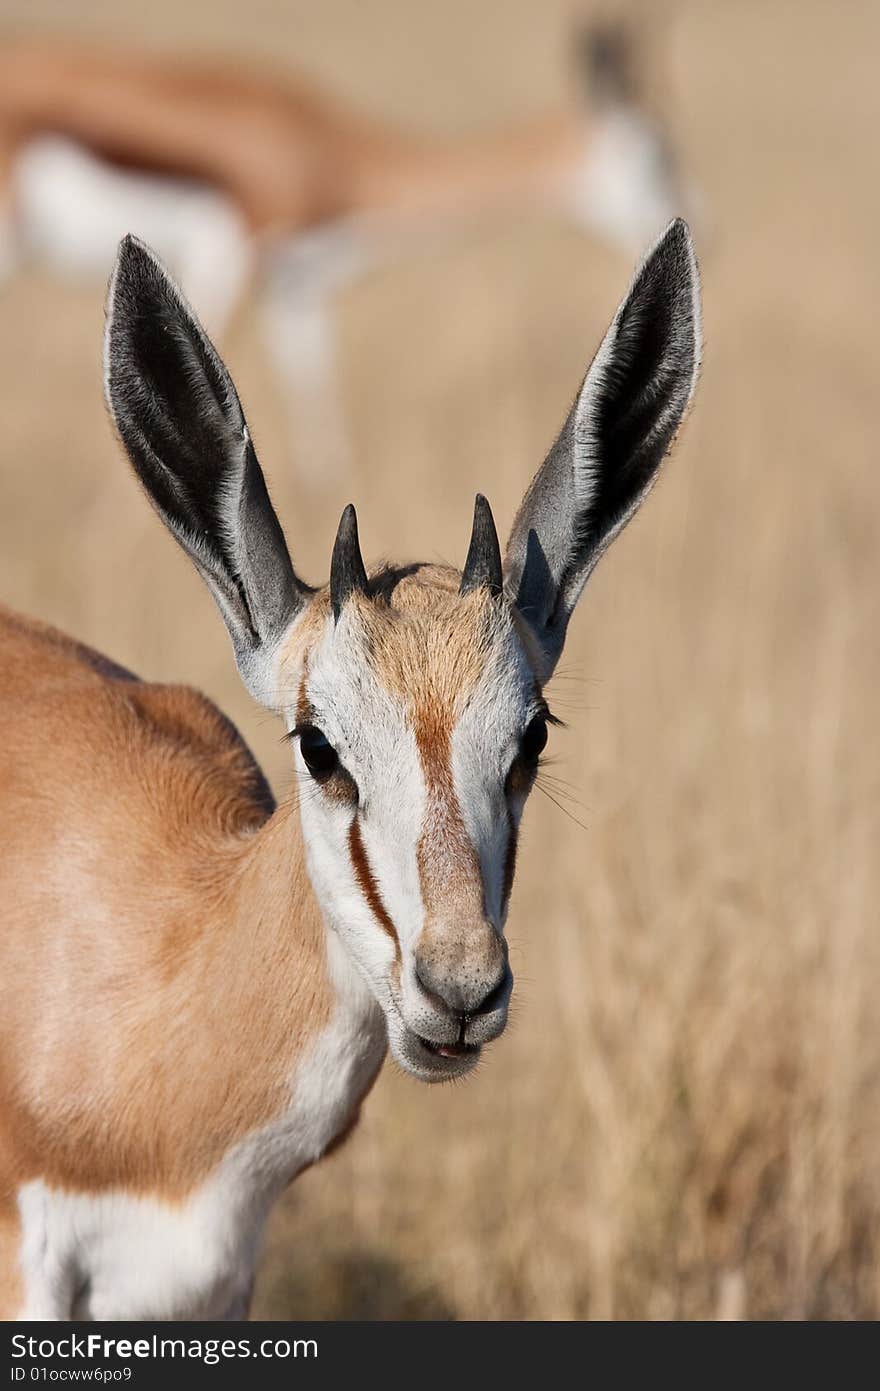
368	886
449	869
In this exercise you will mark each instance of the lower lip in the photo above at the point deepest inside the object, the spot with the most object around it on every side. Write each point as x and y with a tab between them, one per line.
449	1050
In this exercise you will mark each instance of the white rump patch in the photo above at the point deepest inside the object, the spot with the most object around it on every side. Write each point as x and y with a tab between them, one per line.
72	209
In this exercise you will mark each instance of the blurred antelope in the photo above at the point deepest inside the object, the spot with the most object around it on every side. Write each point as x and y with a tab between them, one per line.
197	988
231	177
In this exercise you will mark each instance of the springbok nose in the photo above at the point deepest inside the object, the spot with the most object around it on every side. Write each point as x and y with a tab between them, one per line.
466	987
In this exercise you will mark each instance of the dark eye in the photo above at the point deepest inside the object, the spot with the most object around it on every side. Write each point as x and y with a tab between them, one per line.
319	755
534	740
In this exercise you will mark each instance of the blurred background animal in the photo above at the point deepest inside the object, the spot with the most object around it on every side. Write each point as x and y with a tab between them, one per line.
239	177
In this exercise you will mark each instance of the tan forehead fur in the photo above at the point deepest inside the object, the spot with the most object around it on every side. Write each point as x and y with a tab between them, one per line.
427	643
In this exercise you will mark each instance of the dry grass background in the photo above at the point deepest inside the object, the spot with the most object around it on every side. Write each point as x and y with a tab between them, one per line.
684	1119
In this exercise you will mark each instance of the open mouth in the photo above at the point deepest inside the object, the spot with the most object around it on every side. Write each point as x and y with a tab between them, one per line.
449	1050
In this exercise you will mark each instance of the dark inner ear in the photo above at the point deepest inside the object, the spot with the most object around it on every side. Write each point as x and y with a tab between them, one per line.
177	409
637	408
609	450
179	416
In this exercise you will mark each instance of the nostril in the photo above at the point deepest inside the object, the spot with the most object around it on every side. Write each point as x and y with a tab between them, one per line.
495	996
461	996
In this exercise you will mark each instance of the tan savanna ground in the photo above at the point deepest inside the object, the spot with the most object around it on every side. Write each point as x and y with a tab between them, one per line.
684	1119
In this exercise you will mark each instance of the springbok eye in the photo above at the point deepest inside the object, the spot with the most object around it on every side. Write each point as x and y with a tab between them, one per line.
318	753
534	741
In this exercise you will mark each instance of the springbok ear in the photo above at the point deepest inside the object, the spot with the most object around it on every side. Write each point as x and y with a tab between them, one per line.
179	417
613	442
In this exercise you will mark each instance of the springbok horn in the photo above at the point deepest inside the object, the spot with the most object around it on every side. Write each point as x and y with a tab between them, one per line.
347	571
483	564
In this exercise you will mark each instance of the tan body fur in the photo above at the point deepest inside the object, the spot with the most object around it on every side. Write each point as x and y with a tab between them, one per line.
160	968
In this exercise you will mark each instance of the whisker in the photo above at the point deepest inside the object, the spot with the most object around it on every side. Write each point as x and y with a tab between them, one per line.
564	796
549	760
571	788
547	763
563	809
573	674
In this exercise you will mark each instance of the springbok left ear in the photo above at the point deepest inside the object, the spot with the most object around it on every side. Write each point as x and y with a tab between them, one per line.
612	444
180	419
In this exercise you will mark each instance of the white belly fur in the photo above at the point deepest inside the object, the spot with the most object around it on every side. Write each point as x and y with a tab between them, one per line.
115	1255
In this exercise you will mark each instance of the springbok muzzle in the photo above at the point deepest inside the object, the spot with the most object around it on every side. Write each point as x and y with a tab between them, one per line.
464	970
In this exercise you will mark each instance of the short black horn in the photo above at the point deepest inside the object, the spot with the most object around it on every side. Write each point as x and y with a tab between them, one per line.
347	572
482	569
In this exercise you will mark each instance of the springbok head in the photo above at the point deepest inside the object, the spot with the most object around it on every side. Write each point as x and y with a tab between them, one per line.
413	695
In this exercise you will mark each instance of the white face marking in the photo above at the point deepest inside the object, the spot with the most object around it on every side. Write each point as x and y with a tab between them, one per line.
392	800
370	731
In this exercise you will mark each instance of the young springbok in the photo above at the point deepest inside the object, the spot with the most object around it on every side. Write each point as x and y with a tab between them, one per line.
197	988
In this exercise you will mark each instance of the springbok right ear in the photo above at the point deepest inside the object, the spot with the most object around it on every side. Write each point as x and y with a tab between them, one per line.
180	419
612	444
